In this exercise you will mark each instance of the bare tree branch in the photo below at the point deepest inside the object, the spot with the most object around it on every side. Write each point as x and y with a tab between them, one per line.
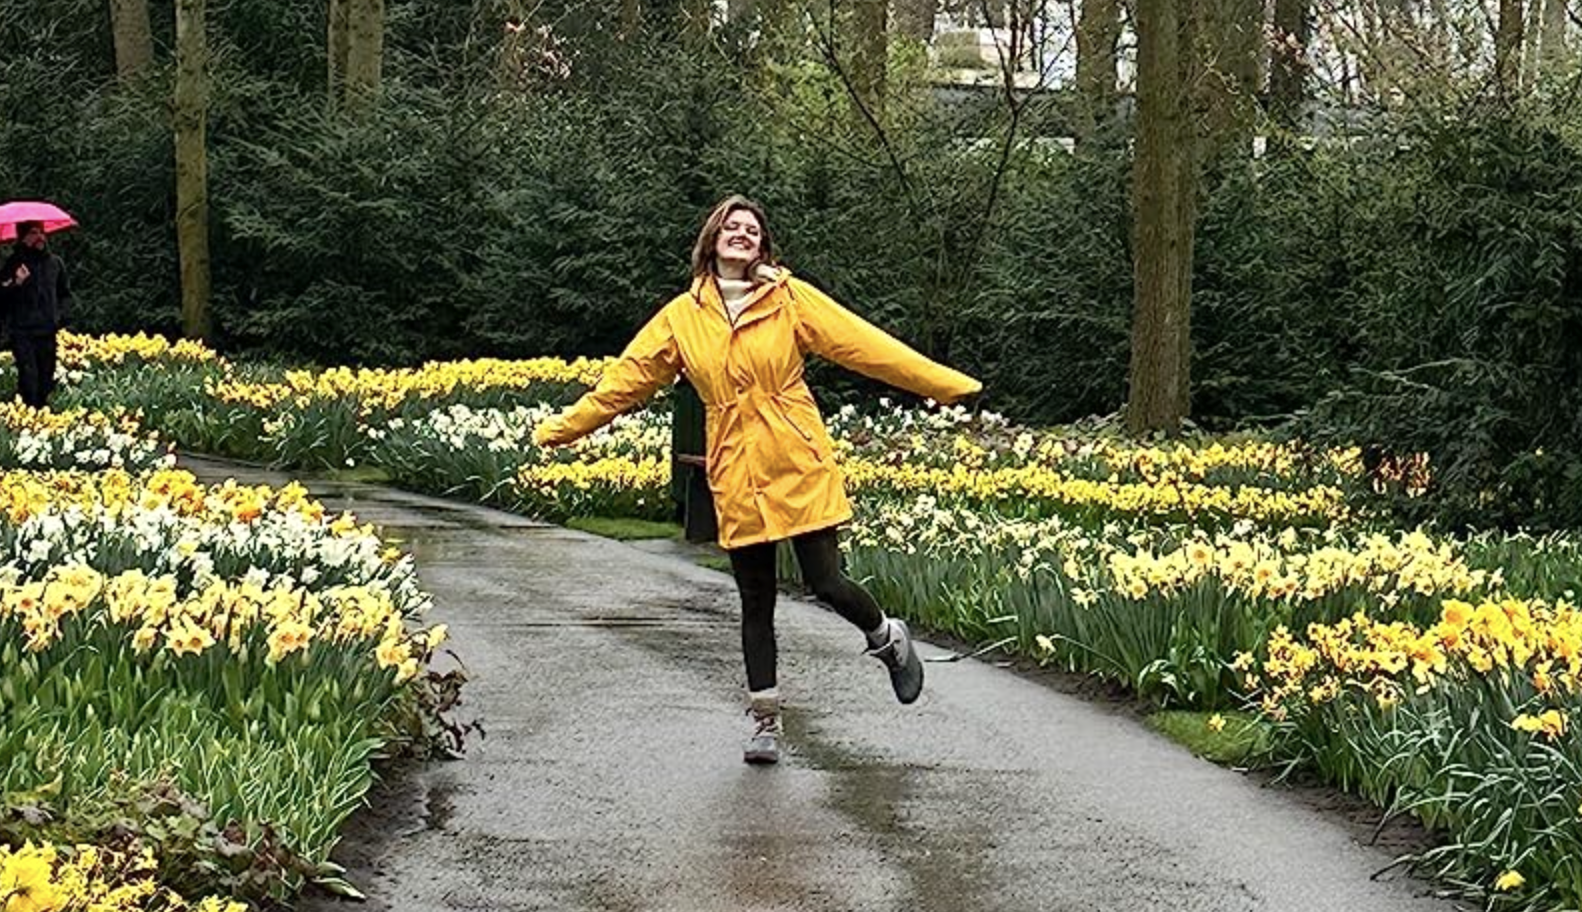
1008	81
1425	61
831	59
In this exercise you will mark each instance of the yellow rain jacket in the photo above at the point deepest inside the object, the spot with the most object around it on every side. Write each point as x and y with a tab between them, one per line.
770	463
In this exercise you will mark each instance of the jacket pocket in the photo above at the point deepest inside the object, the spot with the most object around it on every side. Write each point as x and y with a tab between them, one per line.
795	426
814	441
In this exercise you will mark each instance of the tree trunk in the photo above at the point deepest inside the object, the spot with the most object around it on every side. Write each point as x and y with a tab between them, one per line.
1508	47
1098	33
1553	47
915	19
1164	187
365	52
134	39
336	41
1532	36
1288	62
192	165
870	52
1223	63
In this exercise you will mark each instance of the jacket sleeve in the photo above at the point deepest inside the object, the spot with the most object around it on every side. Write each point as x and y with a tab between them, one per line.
650	361
835	333
10	294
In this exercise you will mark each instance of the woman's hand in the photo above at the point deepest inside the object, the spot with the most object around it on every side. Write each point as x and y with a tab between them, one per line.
544	436
972	402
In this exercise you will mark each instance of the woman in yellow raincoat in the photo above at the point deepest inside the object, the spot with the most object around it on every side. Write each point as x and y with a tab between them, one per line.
740	333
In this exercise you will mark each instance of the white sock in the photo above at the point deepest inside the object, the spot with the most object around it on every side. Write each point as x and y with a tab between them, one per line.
762	697
879	635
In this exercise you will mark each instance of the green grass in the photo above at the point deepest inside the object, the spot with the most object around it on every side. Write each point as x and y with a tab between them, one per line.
1242	737
624	529
363	474
714	562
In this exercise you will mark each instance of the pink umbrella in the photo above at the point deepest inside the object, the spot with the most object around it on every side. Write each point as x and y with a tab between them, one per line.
51	216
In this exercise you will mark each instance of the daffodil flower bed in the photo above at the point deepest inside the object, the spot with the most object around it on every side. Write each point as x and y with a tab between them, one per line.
78	353
79	356
612	486
335	418
1037	491
625	471
231	643
488	455
85	878
1162	608
379	390
1469	722
76	439
951	437
463	427
167	523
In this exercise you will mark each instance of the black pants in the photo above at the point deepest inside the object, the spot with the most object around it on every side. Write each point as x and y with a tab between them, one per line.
818	554
35	366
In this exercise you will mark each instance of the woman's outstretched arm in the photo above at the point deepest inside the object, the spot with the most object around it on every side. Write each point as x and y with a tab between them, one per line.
831	331
650	361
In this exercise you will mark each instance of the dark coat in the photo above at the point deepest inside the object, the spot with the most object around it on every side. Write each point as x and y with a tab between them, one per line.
38	305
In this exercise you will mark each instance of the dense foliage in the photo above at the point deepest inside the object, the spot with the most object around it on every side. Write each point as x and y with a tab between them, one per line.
1410	288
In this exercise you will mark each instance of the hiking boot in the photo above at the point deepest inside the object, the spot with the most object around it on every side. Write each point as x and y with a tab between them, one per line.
906	666
764	745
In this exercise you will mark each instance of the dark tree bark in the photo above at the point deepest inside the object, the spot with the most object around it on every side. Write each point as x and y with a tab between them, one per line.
1098	34
1554	49
1289	65
1164	190
192	165
1508	47
365	51
336	39
1223	66
134	39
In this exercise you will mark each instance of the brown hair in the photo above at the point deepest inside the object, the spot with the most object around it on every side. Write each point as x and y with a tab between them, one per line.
703	249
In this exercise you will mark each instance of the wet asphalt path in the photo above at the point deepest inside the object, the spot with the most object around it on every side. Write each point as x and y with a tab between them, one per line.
608	680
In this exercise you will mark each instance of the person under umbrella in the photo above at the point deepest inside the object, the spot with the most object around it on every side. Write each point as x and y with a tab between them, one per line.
34	295
740	333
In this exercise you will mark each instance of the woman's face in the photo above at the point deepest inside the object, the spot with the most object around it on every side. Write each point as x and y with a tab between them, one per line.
739	240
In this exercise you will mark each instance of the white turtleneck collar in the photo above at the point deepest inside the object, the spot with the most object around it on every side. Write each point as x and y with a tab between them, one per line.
736	292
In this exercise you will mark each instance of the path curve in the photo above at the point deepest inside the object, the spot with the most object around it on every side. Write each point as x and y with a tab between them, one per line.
608	680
